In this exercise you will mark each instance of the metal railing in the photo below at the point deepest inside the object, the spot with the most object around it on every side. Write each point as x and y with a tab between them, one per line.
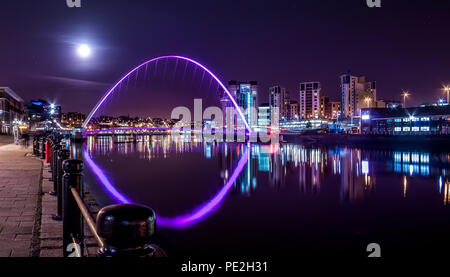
118	230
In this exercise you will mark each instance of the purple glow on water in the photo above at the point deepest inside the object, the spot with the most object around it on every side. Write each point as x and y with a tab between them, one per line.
178	222
209	207
104	180
107	94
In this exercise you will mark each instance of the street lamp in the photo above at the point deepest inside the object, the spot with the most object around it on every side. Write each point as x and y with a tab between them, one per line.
405	95
368	99
447	90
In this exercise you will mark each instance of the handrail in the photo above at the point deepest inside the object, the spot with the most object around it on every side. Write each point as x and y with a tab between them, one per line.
87	216
119	230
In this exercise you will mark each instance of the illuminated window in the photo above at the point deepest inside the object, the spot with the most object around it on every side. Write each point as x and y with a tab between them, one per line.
425	129
398	129
425	119
406	129
415	129
365	117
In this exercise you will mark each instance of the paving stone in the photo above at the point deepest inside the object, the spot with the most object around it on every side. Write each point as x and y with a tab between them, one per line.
19	187
48	253
51	243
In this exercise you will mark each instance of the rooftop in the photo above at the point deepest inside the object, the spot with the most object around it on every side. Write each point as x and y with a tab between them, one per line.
12	93
408	112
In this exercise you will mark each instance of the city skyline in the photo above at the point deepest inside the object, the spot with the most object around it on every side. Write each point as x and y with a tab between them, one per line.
419	56
225	136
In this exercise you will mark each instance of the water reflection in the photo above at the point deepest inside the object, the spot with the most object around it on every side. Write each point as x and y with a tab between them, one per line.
293	165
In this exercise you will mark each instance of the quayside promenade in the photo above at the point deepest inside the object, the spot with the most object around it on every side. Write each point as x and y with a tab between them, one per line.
26	206
20	178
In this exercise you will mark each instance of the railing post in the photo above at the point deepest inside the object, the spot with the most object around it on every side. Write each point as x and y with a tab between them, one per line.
63	155
72	218
48	152
35	146
126	230
42	147
55	148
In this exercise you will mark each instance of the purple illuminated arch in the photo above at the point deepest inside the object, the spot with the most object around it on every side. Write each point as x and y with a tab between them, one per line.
107	94
178	222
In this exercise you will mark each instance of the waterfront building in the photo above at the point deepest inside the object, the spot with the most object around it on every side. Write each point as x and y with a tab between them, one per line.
264	115
279	97
11	109
292	108
335	109
246	94
329	109
226	103
40	111
325	108
388	104
357	93
296	126
429	120
73	119
309	106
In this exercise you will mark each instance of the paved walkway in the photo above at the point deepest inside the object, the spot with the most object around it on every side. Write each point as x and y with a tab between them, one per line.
20	177
6	140
26	207
50	235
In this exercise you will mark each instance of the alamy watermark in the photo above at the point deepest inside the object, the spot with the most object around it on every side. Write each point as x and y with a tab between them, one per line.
73	3
212	124
373	3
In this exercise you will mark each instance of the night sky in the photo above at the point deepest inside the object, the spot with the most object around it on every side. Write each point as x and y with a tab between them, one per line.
403	45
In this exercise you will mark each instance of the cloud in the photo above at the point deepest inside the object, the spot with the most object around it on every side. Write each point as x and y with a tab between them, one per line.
72	82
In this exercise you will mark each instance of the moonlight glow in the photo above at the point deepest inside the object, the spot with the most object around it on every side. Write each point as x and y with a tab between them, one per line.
84	51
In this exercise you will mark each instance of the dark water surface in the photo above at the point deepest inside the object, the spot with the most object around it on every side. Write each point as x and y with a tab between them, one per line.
286	199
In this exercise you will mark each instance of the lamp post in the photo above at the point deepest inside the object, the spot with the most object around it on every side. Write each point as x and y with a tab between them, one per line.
405	95
447	90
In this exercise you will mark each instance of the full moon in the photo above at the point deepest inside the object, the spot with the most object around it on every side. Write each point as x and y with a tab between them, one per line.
84	51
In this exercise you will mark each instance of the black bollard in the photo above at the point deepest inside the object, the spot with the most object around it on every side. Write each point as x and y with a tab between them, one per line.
51	142
63	155
42	147
35	151
126	230
72	217
55	149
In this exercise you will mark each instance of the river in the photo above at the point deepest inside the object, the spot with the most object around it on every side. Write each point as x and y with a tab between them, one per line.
223	199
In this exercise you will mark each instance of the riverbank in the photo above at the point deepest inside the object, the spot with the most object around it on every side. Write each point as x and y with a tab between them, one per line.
375	142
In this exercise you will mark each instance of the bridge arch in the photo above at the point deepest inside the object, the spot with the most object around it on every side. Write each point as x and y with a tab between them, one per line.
110	92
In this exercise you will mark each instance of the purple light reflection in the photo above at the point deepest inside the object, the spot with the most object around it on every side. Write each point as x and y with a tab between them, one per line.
104	180
107	94
178	222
